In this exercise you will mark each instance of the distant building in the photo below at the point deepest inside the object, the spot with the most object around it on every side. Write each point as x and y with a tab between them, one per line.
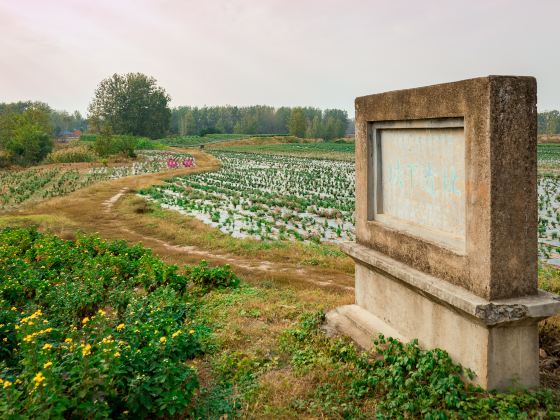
66	136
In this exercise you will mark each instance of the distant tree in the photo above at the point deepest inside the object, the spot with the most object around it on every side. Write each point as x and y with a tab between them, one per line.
314	129
130	104
25	137
297	124
257	119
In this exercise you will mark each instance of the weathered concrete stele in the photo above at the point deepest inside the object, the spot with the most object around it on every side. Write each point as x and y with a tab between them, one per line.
446	225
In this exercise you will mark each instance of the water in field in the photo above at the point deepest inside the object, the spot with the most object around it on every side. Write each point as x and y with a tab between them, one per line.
549	219
269	197
294	198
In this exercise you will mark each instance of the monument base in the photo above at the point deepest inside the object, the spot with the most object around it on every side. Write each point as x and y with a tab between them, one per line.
498	340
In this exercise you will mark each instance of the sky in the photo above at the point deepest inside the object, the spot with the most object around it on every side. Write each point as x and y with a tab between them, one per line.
320	53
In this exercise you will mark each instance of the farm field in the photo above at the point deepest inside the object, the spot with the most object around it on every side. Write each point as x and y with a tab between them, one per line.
549	158
195	141
282	197
268	197
330	150
36	184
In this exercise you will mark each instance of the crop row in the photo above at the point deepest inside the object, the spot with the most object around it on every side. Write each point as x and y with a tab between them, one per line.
268	197
19	187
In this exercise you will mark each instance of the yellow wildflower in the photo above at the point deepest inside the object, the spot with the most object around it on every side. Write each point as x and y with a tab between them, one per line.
7	384
191	331
101	312
5	339
176	333
38	379
117	354
68	340
86	350
85	320
14	308
162	340
47	365
120	327
47	346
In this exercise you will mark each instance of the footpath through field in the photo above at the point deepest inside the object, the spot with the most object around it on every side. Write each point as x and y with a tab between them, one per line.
93	210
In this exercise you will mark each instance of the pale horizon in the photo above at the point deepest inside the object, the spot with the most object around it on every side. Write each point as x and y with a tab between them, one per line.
315	53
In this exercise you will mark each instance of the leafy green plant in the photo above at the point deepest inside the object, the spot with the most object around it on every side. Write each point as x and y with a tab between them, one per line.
403	380
209	278
90	328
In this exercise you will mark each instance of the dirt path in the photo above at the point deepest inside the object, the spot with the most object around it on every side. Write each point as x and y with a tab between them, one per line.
92	210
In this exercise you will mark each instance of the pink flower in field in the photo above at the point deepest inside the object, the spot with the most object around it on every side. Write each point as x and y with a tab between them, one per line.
172	163
188	162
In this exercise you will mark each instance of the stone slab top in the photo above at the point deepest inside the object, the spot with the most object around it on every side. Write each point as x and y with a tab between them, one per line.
490	313
446	181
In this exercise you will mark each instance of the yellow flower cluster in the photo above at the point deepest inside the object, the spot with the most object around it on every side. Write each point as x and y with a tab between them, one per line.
28	338
29	320
47	346
107	340
120	327
86	351
5	383
38	379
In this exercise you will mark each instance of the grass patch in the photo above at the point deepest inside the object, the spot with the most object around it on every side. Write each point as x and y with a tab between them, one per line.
271	359
318	150
195	141
152	219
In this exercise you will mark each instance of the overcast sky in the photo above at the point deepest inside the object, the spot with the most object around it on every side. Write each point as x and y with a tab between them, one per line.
319	53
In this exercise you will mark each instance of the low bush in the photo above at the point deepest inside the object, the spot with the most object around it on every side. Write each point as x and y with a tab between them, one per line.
73	153
90	328
402	380
209	278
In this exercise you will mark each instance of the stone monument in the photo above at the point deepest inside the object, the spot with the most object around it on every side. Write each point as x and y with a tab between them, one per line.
446	225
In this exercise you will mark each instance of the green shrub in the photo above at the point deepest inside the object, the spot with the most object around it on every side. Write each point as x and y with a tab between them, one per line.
212	277
90	328
88	137
107	144
74	153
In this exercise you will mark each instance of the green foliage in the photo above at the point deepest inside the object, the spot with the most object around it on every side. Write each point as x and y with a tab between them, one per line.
403	380
25	137
311	122
320	150
195	140
548	122
297	123
130	104
212	277
90	328
106	144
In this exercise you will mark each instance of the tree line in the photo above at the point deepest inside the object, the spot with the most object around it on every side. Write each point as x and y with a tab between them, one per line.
27	129
306	122
548	122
